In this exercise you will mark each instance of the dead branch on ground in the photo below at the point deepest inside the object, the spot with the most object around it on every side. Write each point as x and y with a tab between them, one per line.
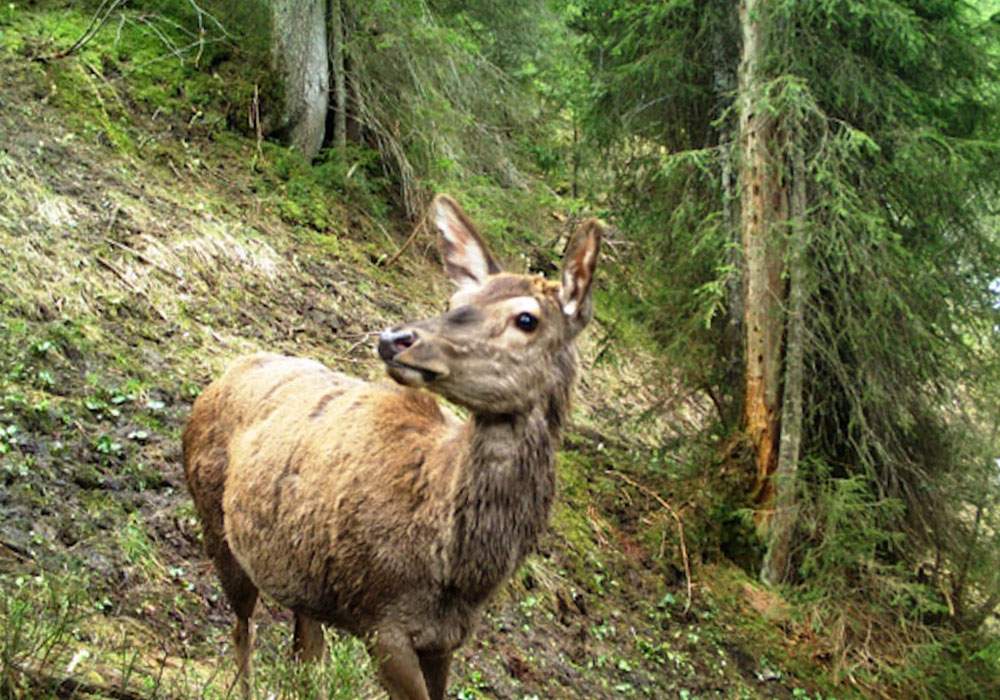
406	244
97	22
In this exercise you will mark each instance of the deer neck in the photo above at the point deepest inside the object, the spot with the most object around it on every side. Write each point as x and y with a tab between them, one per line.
505	489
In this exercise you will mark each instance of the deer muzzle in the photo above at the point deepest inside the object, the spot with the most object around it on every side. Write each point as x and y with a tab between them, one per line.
409	358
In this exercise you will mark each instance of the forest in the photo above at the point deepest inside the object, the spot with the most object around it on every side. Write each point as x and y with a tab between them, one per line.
779	475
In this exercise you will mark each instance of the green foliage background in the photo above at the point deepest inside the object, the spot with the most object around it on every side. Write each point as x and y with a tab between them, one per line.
895	105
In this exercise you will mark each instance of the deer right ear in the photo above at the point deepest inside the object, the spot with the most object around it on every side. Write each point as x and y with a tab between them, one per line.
467	260
578	274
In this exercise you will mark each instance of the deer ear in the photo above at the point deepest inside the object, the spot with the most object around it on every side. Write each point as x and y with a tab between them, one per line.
578	273
467	260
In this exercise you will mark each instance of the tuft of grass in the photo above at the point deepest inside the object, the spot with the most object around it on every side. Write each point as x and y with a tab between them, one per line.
345	674
39	615
139	550
312	195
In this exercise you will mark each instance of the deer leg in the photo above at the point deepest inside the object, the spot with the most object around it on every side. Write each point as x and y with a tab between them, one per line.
242	596
399	667
309	643
309	646
435	669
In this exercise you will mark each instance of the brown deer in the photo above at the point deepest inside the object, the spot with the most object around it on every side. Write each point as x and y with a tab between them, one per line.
371	507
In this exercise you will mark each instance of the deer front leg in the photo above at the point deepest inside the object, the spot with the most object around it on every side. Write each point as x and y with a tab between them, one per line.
399	666
242	595
435	668
309	644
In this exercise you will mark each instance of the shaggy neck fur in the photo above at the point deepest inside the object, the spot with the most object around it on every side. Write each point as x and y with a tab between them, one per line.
506	488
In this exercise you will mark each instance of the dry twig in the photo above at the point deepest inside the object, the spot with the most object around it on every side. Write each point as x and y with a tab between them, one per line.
145	258
406	244
17	552
72	687
97	22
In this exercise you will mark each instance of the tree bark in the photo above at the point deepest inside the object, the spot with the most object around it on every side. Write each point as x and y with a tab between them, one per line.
299	58
777	560
763	215
337	71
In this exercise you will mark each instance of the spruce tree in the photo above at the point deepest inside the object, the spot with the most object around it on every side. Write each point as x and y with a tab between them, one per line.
861	140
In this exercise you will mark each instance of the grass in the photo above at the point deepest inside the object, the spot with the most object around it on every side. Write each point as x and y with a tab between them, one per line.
57	636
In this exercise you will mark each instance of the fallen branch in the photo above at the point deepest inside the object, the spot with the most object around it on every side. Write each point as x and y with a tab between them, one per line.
72	687
97	22
17	552
406	244
677	518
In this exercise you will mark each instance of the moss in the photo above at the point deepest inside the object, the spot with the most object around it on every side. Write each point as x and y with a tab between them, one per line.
312	195
144	59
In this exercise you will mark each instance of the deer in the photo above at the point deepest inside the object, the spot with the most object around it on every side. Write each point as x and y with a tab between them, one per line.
371	506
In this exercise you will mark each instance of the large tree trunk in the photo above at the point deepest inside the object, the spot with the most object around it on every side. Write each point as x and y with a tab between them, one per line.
777	560
337	68
299	55
763	217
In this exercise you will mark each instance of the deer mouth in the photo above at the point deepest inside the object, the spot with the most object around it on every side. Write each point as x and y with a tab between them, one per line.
411	375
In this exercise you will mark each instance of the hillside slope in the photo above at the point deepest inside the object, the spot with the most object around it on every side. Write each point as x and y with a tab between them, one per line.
143	245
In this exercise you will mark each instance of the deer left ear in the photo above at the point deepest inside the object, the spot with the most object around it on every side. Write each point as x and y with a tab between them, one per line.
578	274
466	258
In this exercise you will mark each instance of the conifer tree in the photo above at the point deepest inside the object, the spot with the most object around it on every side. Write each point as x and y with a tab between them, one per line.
811	186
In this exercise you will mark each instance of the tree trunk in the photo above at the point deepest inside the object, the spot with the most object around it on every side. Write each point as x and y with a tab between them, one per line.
355	105
299	58
337	68
777	560
763	215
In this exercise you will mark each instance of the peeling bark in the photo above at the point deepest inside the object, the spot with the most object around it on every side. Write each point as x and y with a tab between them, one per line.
763	215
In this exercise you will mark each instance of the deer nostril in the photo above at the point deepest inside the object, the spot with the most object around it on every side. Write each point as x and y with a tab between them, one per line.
391	343
404	340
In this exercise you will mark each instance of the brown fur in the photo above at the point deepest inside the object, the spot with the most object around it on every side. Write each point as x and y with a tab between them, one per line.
369	506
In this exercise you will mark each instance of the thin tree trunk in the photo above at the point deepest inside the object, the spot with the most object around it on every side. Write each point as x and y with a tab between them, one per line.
764	211
337	68
962	619
576	156
725	84
777	559
353	69
355	103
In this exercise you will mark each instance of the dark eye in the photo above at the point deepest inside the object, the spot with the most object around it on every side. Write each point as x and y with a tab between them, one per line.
526	322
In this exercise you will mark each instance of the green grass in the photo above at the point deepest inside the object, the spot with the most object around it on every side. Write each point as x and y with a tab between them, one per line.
40	614
56	635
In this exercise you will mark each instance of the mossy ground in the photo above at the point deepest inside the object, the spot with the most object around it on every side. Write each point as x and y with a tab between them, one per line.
144	243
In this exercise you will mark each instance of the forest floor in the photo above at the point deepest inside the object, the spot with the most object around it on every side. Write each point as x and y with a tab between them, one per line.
144	244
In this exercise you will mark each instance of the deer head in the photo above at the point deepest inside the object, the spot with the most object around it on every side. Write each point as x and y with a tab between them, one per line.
494	350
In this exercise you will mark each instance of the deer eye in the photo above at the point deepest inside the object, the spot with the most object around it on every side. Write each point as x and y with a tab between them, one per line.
526	322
